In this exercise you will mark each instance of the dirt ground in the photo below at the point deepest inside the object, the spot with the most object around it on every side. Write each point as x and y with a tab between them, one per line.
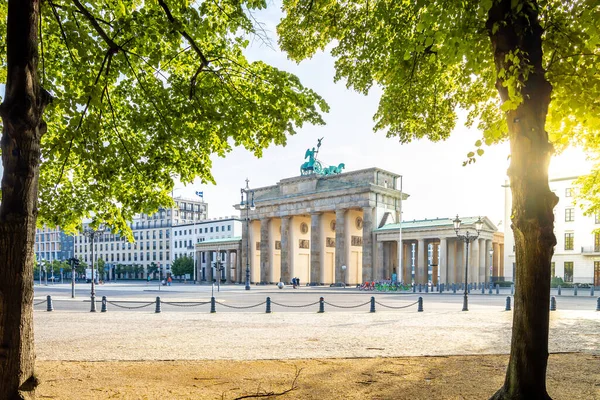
570	376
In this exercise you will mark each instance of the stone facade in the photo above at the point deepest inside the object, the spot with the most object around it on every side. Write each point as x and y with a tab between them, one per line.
324	222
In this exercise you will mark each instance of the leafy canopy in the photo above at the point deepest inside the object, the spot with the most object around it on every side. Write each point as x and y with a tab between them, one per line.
433	57
146	91
183	265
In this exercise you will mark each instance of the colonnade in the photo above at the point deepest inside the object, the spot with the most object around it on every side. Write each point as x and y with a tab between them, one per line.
441	260
230	260
312	247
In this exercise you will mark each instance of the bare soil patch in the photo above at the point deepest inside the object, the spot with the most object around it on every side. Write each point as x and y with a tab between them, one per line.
570	376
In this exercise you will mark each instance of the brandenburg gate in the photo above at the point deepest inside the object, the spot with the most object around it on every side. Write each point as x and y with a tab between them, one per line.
311	225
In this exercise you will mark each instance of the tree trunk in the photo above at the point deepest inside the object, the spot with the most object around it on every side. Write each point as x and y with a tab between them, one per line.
21	112
532	216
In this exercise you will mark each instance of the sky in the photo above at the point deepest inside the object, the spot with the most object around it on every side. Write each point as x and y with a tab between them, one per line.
433	175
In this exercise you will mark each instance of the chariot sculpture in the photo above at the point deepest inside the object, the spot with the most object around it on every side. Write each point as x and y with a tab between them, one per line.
315	166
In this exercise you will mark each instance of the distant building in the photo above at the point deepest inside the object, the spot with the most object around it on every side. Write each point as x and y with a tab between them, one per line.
576	256
153	240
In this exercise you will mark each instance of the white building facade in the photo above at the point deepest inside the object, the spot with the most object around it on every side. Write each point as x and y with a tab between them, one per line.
576	256
153	245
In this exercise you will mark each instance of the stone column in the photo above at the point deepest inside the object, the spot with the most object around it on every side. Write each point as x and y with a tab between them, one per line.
483	257
421	275
435	265
501	260
367	247
285	249
489	264
238	260
228	267
379	270
209	270
244	260
265	259
407	262
474	261
340	244
315	248
443	261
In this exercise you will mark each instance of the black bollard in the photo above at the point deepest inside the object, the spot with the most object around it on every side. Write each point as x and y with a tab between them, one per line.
454	288
598	304
553	303
559	290
575	290
497	288
592	291
157	310
93	303
442	288
420	288
103	309
512	289
414	288
469	288
268	311
321	305
420	306
49	303
482	289
372	304
490	288
426	288
507	303
212	305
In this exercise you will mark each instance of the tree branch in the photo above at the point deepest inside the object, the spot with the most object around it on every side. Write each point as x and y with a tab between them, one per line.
258	394
111	44
204	61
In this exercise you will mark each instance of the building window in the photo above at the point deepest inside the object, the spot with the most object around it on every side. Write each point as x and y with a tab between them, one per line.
569	271
569	192
569	239
552	269
597	215
228	227
211	229
596	241
569	214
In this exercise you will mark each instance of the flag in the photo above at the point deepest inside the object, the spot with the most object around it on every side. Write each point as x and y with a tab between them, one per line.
200	194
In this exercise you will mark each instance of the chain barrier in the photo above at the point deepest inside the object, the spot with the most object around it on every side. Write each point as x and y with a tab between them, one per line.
186	303
130	308
241	307
397	308
360	305
291	306
39	302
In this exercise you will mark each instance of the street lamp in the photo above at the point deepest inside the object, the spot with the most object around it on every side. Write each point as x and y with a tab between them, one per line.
467	238
91	234
247	205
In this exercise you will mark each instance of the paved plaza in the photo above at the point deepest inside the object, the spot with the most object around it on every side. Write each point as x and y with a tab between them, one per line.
71	332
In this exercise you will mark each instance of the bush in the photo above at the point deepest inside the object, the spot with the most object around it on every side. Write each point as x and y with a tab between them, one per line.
504	284
557	281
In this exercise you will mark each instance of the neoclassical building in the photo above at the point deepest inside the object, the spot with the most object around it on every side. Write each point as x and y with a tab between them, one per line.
344	227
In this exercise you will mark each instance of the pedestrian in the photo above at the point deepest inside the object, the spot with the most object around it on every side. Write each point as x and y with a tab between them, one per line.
169	280
298	281
148	279
294	283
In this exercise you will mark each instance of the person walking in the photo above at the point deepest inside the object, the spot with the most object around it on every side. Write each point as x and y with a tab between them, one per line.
169	280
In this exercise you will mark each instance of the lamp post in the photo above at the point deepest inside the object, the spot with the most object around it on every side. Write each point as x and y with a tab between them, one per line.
91	234
467	238
248	205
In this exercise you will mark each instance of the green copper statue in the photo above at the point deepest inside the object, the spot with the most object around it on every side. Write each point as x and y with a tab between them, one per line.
314	166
